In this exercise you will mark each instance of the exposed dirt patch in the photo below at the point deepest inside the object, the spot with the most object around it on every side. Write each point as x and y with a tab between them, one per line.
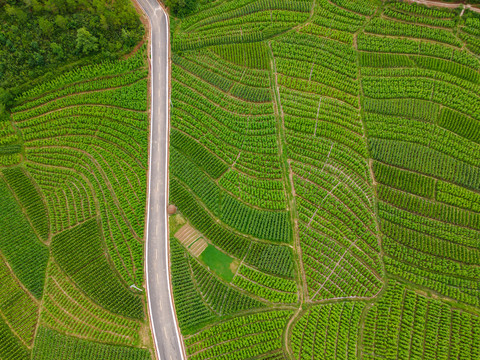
187	235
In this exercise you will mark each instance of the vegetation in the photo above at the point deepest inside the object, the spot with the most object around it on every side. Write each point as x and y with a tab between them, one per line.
404	323
328	331
19	244
218	262
330	147
73	161
324	154
38	37
50	344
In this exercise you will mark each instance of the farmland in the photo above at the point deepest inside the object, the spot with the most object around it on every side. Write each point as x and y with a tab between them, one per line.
73	193
330	148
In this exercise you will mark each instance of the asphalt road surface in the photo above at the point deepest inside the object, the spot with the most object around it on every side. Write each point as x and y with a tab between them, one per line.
167	340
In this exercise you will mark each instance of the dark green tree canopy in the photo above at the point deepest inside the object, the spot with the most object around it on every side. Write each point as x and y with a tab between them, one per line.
39	36
86	42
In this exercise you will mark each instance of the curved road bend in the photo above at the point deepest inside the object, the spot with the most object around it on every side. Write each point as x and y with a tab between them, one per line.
162	317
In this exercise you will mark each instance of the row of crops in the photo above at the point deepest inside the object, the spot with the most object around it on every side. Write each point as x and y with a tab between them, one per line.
425	148
400	325
327	332
54	345
73	164
403	324
85	139
93	322
339	115
328	160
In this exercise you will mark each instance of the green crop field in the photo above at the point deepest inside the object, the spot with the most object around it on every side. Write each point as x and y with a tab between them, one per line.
332	149
73	168
324	161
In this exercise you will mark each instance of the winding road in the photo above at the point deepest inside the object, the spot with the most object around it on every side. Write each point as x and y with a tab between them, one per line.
168	344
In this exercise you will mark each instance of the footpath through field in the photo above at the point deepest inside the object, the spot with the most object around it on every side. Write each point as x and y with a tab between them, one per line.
168	345
446	5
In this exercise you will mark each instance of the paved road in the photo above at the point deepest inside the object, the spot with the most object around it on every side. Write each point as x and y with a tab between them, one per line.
167	340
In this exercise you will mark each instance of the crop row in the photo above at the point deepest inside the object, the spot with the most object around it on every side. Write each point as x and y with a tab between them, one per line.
331	54
240	338
404	324
229	241
363	7
57	160
22	249
86	138
398	15
446	231
268	194
190	309
273	259
430	209
381	44
327	332
191	85
425	11
209	60
409	108
434	246
410	182
88	86
337	272
328	160
388	27
458	196
90	270
422	159
82	317
221	298
16	306
271	288
252	55
267	225
86	73
65	208
30	199
127	97
51	344
460	124
10	346
10	159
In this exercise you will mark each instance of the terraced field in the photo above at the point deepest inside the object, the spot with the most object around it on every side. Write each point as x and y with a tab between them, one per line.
330	150
72	207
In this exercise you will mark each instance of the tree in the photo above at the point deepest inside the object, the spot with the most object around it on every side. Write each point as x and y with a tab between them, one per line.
61	22
181	7
86	42
45	26
57	50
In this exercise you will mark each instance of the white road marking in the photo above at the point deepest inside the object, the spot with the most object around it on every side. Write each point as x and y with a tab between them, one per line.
163	128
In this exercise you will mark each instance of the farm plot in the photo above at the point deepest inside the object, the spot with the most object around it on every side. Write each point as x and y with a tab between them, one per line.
51	344
319	144
404	324
328	332
240	338
425	148
85	140
316	79
227	176
72	215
